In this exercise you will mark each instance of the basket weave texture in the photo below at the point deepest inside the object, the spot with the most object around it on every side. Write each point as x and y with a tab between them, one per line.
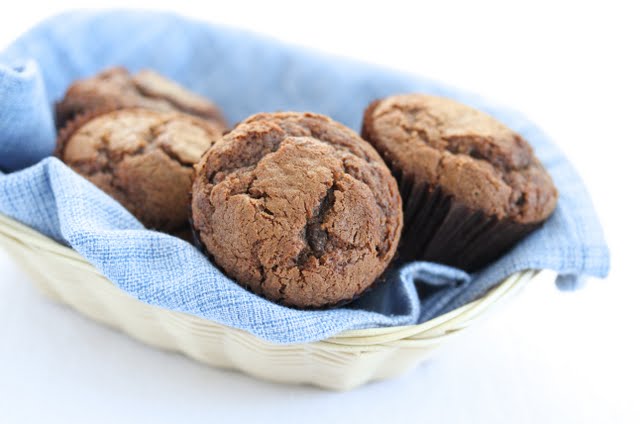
342	362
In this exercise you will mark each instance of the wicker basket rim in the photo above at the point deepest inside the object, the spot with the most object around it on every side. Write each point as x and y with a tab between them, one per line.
431	331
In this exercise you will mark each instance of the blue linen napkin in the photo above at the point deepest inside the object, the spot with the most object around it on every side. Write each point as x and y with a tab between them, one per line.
244	74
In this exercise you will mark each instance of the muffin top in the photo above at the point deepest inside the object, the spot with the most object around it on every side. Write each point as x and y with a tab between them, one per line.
142	158
298	208
116	88
469	154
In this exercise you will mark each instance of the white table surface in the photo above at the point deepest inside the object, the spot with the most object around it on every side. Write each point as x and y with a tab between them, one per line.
546	357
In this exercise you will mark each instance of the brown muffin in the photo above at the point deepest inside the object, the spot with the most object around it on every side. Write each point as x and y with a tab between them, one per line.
116	88
298	208
142	158
471	187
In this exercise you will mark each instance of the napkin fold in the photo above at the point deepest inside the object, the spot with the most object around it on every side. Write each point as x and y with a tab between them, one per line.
244	74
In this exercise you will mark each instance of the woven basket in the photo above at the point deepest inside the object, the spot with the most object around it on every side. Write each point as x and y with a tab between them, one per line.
342	362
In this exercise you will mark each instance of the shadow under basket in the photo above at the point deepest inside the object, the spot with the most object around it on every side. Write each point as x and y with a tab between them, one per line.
342	362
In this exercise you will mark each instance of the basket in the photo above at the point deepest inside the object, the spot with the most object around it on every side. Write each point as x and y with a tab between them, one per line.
341	362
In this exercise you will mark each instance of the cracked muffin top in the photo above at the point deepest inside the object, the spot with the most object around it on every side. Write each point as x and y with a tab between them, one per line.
116	88
298	208
469	154
142	158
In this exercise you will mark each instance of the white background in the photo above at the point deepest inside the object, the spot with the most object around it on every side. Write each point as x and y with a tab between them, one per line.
546	357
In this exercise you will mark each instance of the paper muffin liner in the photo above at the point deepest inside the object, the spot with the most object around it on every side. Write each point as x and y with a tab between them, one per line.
439	228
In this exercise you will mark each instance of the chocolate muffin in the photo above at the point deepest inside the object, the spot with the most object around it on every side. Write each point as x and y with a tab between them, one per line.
116	88
298	208
471	187
142	158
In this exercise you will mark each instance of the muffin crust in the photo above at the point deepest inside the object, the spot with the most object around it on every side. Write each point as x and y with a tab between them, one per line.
116	88
472	156
142	158
298	208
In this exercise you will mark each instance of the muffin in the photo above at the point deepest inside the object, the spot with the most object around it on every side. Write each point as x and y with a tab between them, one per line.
142	158
116	88
471	187
298	208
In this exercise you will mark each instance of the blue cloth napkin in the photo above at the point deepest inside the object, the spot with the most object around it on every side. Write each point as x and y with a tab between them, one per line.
244	74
